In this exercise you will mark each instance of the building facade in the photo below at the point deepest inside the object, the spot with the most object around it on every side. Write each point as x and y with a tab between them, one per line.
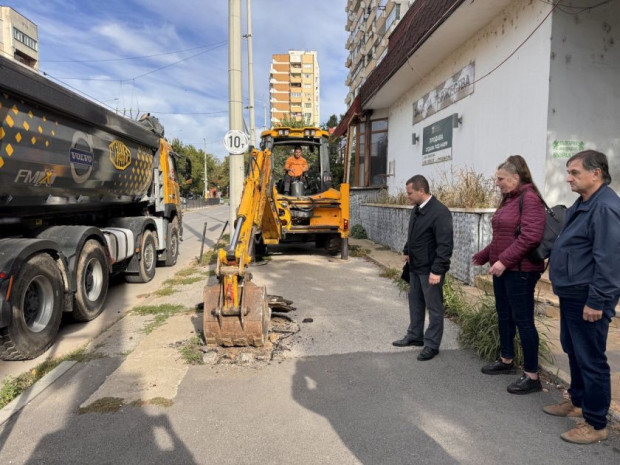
19	38
369	24
294	85
466	84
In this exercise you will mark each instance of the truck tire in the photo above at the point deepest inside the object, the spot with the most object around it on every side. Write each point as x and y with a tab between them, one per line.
172	244
333	244
92	282
36	310
147	262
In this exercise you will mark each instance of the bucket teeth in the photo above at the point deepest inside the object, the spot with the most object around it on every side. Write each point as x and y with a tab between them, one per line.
229	331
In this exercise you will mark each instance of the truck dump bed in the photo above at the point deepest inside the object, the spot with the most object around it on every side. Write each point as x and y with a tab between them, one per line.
62	152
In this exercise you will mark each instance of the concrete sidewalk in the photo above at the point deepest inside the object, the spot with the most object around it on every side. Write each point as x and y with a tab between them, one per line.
548	321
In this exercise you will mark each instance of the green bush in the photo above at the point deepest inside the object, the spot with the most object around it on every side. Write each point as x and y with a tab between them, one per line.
358	232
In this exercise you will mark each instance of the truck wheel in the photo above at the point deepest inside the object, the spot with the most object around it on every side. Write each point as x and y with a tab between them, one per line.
36	310
172	246
333	244
92	282
147	262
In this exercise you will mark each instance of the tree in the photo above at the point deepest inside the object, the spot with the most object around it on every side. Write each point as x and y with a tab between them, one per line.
197	158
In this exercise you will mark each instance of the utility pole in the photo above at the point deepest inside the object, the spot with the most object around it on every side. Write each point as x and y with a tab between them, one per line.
235	106
251	77
206	188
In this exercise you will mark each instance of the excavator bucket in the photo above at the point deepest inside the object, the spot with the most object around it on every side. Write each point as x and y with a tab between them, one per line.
248	327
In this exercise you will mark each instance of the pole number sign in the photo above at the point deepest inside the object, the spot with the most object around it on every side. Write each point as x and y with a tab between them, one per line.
236	142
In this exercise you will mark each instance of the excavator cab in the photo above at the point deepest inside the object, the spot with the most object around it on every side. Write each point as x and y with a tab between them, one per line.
236	312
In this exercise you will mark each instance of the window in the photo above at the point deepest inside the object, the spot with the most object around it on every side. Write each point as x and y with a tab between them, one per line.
307	105
307	65
24	39
368	153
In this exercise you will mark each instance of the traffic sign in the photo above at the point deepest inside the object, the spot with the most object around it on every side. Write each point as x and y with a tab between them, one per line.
236	142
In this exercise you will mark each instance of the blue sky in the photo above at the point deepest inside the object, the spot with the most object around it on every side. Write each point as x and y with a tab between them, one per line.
171	58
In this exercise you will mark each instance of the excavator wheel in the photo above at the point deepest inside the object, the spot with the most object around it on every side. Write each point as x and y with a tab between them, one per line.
228	331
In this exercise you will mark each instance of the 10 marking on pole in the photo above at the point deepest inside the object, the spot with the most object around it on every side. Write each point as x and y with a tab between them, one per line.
236	142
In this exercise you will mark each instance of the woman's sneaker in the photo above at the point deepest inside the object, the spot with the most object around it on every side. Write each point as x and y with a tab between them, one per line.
525	385
499	368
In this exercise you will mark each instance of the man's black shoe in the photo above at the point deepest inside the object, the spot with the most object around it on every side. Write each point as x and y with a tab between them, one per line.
499	368
427	353
524	385
404	342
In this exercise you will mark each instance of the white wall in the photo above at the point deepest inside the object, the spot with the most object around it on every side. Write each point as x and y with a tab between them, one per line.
505	115
584	100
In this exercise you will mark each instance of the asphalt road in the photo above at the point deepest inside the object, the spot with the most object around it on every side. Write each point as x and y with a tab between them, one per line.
341	394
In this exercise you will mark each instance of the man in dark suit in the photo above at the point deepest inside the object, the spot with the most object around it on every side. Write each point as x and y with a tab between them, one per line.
428	251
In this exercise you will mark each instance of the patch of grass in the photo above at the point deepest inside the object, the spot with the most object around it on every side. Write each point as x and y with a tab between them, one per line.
477	318
158	401
14	386
164	291
104	405
390	273
357	251
165	309
188	271
190	351
160	312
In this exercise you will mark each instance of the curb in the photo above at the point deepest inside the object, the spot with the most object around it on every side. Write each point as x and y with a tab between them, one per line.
33	391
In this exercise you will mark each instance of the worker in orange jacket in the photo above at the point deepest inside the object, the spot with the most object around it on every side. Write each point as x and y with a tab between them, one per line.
294	168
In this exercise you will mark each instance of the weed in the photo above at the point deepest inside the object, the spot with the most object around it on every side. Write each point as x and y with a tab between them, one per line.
167	309
462	188
12	387
358	232
188	271
390	273
158	401
104	405
190	351
357	251
164	291
160	313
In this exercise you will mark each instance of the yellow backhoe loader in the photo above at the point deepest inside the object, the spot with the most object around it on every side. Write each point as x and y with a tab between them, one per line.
236	311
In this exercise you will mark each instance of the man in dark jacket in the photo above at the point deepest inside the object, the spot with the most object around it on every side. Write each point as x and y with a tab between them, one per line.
428	251
585	273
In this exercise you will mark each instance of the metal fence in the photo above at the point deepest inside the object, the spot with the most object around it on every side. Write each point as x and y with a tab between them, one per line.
190	204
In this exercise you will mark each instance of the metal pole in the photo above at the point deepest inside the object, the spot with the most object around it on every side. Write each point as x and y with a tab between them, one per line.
235	104
202	244
206	189
251	78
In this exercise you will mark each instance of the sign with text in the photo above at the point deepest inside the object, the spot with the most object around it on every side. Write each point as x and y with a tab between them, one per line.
236	142
566	148
451	90
437	142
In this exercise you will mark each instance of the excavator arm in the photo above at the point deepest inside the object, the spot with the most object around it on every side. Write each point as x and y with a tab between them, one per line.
236	312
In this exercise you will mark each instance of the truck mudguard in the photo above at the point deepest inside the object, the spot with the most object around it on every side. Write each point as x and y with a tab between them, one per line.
13	254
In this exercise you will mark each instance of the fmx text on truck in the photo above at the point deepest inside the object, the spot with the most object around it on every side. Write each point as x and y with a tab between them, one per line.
84	193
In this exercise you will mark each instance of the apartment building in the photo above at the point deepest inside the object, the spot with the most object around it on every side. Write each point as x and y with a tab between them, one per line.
294	88
19	37
369	24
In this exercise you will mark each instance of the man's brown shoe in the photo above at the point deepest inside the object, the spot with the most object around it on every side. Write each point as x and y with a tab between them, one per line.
584	433
563	409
